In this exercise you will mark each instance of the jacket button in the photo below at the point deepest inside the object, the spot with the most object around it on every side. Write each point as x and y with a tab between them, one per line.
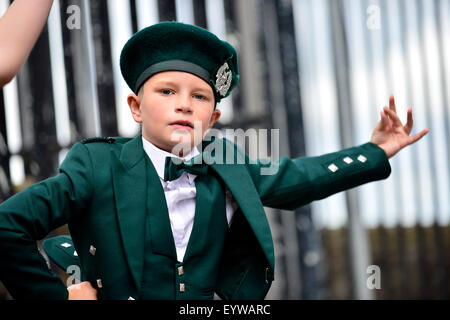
99	283
182	287
180	270
92	250
348	160
333	168
361	158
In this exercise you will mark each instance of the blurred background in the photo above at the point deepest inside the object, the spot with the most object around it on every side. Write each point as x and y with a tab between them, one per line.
320	71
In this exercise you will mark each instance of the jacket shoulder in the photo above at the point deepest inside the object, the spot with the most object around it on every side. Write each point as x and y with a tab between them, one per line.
109	140
100	146
98	142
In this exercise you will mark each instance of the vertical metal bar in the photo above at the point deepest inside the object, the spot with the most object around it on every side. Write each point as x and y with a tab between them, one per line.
442	276
230	26
5	181
444	32
147	13
311	254
344	102
360	96
68	38
12	122
250	59
442	130
397	75
396	78
37	108
200	13
185	11
427	185
120	31
407	205
443	11
405	247
358	238
216	22
83	68
59	76
167	10
321	120
89	51
133	15
423	250
13	132
104	68
434	89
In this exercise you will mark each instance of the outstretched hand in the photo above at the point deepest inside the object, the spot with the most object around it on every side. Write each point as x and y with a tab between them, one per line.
390	134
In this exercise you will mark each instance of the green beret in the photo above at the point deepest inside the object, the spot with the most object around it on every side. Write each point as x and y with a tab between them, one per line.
175	46
61	251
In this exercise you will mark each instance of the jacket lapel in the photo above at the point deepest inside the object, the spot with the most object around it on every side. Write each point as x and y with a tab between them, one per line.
210	199
238	180
129	183
161	236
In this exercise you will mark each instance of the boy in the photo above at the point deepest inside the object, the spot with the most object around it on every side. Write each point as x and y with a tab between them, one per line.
146	228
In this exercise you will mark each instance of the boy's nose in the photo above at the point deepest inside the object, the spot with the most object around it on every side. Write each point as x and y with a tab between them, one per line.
184	104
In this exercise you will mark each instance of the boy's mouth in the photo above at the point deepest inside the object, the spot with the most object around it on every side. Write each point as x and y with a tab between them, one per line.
182	124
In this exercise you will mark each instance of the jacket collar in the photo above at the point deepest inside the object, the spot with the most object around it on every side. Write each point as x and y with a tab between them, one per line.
132	153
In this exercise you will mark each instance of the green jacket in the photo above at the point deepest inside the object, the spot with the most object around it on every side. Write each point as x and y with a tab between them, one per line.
100	183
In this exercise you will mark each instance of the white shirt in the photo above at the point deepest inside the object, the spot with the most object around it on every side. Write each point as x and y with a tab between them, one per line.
180	197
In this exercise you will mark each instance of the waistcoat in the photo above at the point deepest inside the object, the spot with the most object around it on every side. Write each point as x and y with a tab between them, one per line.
195	277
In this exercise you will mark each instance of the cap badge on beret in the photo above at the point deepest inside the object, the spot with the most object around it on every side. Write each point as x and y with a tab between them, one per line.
224	78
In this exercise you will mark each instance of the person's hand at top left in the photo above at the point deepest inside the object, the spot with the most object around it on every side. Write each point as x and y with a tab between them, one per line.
20	28
390	134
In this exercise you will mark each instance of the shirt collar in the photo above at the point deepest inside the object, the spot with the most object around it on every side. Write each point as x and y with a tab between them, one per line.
158	156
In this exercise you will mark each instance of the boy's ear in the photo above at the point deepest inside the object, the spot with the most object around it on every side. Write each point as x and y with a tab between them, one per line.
135	106
214	117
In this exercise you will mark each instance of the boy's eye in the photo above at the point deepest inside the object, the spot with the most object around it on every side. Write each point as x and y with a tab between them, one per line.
199	97
166	91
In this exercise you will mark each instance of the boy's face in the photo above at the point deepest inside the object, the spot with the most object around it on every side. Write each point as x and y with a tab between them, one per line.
170	97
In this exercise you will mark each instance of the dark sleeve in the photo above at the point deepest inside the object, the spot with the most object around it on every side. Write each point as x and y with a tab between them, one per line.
30	215
291	183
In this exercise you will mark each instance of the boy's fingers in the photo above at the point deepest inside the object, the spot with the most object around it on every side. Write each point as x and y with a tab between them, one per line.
394	117
384	120
382	124
392	103
409	122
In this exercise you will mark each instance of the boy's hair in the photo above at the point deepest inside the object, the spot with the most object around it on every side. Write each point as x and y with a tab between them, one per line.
140	92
